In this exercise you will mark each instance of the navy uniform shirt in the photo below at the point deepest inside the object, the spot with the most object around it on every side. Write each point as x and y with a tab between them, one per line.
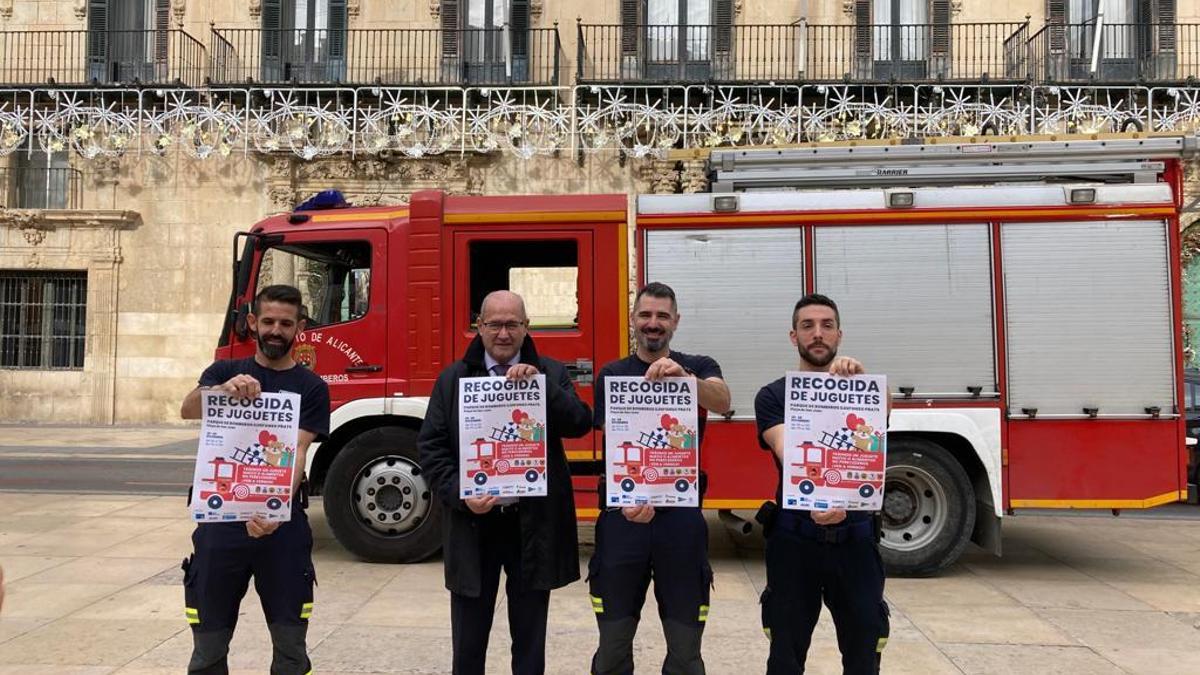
698	366
314	393
768	412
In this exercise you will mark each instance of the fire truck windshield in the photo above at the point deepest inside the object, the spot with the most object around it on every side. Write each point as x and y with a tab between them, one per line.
814	456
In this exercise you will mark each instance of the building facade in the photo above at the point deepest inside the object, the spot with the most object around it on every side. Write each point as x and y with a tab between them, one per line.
138	136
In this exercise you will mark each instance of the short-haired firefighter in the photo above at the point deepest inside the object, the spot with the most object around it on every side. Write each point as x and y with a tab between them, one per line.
277	555
814	556
669	544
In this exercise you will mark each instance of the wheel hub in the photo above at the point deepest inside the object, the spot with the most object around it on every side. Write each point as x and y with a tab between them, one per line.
915	508
390	496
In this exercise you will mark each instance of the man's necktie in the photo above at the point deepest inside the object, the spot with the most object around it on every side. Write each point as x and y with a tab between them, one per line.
500	369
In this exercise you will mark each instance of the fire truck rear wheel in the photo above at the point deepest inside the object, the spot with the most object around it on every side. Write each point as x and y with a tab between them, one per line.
928	508
377	501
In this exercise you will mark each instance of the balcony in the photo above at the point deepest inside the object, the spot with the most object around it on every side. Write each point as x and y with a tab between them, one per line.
429	57
40	188
799	51
1124	52
80	57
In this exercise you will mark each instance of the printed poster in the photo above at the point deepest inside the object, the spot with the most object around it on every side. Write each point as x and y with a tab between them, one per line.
247	457
502	436
650	442
835	441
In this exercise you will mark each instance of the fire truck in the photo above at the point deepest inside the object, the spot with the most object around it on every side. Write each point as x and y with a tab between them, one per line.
229	482
826	466
641	465
500	458
1021	295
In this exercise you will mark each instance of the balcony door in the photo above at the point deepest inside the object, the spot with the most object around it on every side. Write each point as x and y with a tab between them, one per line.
901	39
304	40
127	40
679	39
486	41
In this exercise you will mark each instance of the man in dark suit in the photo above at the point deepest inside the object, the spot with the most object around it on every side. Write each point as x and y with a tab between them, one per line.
532	538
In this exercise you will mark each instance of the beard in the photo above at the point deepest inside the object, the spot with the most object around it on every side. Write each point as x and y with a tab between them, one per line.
654	341
818	361
275	347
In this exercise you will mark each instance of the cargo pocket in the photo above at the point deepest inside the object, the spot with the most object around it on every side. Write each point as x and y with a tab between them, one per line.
191	597
764	602
310	580
595	591
885	628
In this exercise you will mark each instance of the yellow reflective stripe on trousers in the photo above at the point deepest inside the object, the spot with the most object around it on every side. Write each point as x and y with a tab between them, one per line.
597	604
767	632
703	613
306	610
881	644
192	614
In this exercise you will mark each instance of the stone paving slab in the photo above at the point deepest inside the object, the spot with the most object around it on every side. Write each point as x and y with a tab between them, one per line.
97	591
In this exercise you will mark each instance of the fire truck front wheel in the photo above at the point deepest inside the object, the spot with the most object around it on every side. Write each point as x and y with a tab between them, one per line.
928	508
377	501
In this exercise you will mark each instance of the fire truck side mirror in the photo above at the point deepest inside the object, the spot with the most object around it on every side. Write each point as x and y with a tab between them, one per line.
240	326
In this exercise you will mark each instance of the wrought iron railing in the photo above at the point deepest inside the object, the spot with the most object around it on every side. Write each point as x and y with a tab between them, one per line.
106	57
386	56
1115	52
800	51
24	187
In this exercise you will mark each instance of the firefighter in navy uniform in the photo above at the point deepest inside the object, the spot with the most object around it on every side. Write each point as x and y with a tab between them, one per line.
278	555
812	556
669	544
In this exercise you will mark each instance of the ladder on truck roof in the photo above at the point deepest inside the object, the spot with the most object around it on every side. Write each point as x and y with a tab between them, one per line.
1113	160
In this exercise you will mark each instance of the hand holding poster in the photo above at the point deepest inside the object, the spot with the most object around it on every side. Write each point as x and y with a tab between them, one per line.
835	441
246	462
502	436
650	441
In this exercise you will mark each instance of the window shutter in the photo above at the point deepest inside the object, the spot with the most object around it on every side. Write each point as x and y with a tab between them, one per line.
1166	25
939	11
450	28
518	29
97	25
337	29
272	23
1056	17
723	28
162	28
630	19
862	30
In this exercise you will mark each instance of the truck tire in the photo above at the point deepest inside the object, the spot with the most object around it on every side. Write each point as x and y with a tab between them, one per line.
377	502
928	508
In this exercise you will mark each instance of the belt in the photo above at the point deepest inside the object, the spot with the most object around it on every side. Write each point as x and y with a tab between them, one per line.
826	534
504	509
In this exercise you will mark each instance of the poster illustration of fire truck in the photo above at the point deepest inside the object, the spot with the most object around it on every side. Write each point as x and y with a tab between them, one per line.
502	436
247	457
835	439
651	447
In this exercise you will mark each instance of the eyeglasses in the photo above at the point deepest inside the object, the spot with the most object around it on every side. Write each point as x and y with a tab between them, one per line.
497	326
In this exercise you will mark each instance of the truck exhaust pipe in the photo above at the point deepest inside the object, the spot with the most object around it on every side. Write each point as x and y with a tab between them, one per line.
735	523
